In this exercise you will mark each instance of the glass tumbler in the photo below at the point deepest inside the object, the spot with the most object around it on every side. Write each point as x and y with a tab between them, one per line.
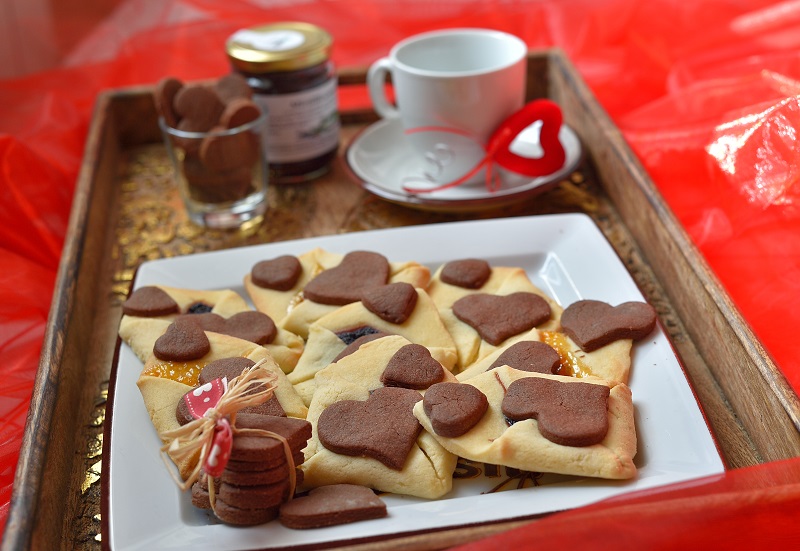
222	174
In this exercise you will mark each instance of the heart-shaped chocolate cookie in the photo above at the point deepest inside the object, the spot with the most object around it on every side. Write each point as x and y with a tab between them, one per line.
393	303
570	414
232	86
279	273
183	341
231	368
412	366
149	302
225	367
199	106
498	317
469	273
332	505
251	326
532	356
164	97
382	427
593	324
357	272
454	408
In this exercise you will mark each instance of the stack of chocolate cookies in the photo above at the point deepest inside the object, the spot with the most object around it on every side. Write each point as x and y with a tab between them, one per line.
256	480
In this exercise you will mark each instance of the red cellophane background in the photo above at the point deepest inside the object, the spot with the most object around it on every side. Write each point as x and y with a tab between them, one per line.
707	94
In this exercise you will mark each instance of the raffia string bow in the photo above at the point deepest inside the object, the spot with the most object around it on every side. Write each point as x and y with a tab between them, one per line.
211	432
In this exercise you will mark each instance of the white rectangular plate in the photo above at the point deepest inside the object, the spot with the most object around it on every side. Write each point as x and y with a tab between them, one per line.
565	255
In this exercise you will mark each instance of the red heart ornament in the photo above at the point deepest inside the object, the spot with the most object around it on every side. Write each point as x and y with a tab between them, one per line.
549	113
498	149
220	452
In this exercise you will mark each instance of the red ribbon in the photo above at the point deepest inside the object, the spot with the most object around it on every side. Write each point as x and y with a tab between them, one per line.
498	149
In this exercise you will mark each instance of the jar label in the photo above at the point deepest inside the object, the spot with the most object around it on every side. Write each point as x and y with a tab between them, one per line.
301	125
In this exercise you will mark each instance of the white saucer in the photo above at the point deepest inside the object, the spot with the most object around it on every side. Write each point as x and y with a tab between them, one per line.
381	159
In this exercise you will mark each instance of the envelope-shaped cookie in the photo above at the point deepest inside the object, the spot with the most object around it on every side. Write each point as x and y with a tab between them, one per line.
161	393
467	304
331	334
541	423
168	302
611	362
365	433
141	334
284	298
469	276
390	360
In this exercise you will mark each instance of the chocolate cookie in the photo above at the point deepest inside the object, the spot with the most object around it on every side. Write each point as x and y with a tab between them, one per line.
593	324
198	106
244	517
280	274
220	152
412	367
232	86
251	467
231	368
251	326
200	498
254	497
454	408
533	356
332	505
470	273
498	317
183	341
262	477
164	96
226	367
249	448
346	283
393	303
570	414
238	112
149	302
382	427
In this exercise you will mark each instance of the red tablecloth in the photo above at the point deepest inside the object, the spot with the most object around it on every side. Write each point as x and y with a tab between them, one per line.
705	92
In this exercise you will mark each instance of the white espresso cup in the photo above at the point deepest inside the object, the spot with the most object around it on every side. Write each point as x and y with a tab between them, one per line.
452	89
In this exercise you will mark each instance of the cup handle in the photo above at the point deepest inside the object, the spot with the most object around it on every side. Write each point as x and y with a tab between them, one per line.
376	82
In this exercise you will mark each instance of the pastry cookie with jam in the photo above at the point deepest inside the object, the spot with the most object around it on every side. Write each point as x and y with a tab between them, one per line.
364	429
141	333
297	291
397	308
160	301
536	422
555	353
177	360
594	339
486	307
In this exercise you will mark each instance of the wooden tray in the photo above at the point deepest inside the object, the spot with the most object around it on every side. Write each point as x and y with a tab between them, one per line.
126	210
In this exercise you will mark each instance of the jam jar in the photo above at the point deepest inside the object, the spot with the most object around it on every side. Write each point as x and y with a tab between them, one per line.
288	67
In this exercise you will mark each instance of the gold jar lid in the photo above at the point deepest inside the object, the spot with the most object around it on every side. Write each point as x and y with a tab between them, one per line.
278	47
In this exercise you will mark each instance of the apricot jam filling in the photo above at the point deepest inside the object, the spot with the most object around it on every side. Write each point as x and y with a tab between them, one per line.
181	372
571	364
